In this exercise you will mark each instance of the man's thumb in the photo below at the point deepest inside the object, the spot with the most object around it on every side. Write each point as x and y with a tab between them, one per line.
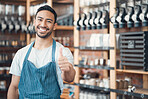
61	51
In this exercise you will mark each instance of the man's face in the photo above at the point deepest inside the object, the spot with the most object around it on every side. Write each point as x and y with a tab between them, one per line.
44	23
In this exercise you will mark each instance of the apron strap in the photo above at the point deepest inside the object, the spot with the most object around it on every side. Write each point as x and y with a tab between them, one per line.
53	50
27	55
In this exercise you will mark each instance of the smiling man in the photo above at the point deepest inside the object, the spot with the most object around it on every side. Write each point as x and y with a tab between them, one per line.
38	70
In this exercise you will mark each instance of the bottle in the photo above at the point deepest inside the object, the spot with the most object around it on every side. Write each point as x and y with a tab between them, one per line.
105	19
87	21
82	21
143	16
92	20
121	17
128	17
136	16
77	22
114	17
97	20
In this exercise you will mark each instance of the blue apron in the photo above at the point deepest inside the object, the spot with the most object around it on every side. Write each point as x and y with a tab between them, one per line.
39	83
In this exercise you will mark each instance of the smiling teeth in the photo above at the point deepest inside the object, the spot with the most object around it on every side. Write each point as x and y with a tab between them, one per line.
42	29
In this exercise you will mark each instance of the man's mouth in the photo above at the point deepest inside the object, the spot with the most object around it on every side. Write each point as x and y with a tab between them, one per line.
43	29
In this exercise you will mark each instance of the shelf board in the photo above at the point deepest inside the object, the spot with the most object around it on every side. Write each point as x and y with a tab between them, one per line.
138	91
95	67
132	71
142	93
64	27
94	48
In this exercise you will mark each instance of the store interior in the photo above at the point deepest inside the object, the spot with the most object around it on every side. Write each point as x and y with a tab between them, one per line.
108	39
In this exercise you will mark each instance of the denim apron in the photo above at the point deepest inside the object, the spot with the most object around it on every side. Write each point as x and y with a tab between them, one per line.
39	83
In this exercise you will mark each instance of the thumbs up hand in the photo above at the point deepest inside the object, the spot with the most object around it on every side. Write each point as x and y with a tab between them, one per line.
63	62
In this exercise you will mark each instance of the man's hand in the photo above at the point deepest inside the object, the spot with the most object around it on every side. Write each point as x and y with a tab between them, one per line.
63	62
68	72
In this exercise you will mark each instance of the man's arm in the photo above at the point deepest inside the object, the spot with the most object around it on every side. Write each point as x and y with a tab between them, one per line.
68	72
13	88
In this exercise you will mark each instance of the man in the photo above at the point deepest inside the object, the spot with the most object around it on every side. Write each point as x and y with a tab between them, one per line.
38	69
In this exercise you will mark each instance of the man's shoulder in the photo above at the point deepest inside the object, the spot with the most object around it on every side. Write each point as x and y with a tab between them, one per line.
23	49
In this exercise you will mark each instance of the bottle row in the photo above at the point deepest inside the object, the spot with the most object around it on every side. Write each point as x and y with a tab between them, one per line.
87	94
6	57
98	40
12	43
132	14
12	18
92	19
96	82
84	60
64	41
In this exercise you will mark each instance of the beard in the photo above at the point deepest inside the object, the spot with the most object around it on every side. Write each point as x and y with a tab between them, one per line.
45	36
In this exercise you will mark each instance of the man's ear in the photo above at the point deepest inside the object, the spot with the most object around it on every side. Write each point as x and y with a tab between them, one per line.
55	25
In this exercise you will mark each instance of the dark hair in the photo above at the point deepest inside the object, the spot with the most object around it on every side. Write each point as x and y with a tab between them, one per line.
48	8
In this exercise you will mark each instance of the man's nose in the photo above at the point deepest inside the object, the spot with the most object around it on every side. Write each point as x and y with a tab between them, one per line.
43	24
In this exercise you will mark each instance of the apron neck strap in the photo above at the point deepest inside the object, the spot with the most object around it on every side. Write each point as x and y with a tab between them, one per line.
29	50
53	50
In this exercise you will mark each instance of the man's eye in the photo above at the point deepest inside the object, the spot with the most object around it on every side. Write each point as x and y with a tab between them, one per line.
49	21
39	19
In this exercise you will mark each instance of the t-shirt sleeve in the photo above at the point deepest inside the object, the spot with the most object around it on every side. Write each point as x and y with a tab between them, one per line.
15	65
67	53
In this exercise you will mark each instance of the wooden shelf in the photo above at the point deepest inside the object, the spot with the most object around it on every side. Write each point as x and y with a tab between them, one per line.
132	71
95	67
94	48
138	91
64	27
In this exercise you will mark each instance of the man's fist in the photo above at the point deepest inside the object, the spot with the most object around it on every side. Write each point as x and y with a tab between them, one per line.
63	62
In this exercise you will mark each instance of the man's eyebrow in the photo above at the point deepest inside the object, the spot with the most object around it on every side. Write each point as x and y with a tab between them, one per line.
43	18
49	19
40	17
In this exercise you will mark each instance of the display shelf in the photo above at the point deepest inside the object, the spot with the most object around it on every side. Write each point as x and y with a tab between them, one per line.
64	27
142	93
132	71
95	66
92	87
94	48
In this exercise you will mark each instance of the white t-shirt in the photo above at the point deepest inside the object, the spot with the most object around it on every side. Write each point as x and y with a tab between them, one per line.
40	58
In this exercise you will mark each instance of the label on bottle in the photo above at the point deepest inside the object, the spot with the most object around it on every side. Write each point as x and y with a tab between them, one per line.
141	16
118	19
127	17
134	17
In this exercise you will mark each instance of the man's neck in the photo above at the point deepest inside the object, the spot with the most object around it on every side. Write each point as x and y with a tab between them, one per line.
41	43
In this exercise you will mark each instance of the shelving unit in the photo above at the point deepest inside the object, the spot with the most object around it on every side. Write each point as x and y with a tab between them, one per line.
142	93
